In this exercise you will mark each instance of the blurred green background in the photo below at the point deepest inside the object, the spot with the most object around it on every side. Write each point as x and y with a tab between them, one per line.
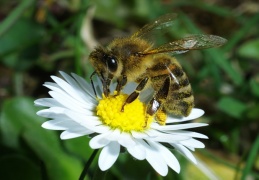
39	38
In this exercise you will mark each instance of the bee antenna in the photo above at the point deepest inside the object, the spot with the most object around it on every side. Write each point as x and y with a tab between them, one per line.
92	83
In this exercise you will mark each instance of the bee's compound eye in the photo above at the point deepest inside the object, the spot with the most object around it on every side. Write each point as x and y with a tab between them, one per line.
112	64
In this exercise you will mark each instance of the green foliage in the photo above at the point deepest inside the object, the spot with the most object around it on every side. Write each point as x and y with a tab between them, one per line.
21	131
254	85
17	166
18	47
232	107
250	49
39	38
252	157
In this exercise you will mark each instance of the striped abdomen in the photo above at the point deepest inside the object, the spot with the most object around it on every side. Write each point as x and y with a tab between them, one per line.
180	99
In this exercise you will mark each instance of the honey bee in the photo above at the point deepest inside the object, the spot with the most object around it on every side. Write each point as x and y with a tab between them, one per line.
135	58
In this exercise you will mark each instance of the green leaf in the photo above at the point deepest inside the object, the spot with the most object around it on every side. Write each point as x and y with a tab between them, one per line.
254	84
251	159
253	113
219	59
242	32
25	32
19	121
250	49
231	107
14	15
103	11
19	47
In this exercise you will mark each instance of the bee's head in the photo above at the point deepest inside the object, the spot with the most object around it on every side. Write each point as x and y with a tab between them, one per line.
105	65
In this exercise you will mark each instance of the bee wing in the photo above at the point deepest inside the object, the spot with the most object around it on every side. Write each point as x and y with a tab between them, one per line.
163	22
193	42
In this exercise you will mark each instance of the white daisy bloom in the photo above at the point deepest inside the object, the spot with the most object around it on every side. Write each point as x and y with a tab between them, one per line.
74	109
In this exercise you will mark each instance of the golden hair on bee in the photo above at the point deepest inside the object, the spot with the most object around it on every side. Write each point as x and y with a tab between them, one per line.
136	59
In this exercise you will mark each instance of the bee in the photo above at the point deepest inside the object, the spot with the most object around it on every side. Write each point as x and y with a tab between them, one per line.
136	59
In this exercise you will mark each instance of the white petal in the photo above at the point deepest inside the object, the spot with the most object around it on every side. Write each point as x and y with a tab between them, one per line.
53	86
185	152
99	141
146	95
180	126
51	112
69	102
67	88
71	93
139	135
115	135
47	102
82	95
90	122
59	124
169	158
193	143
189	133
161	136
155	159
191	148
195	113
137	151
169	138
109	155
74	133
90	119
98	87
55	116
85	86
129	87
126	140
152	133
112	87
101	129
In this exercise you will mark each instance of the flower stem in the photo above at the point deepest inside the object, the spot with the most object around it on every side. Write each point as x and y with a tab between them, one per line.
87	165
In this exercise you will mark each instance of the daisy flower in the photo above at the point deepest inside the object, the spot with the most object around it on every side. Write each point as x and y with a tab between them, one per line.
74	109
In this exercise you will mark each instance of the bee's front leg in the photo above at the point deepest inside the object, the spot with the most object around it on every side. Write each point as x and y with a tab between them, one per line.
106	81
92	83
135	94
121	82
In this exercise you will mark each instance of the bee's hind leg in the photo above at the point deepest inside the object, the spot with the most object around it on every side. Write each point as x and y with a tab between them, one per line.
155	106
161	116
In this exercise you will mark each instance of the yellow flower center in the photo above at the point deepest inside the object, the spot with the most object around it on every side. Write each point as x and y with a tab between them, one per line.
133	118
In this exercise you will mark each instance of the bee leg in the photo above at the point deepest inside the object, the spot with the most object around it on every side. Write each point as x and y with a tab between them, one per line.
106	84
135	94
121	81
92	83
154	107
161	116
106	89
